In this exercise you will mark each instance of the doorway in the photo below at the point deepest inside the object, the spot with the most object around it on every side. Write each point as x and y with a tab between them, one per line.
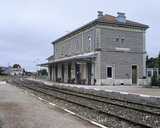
62	72
69	73
78	75
89	66
134	74
56	72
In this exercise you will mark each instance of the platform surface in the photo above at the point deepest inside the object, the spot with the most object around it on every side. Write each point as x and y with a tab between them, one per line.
18	109
134	89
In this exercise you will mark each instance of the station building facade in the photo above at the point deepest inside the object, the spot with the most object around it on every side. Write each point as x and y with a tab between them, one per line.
109	50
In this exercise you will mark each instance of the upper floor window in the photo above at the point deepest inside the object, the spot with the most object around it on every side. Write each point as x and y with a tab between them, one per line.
117	39
90	42
53	49
77	44
62	50
89	38
122	39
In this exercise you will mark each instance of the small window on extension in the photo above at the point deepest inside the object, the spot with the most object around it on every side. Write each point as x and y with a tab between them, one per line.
109	72
117	39
122	39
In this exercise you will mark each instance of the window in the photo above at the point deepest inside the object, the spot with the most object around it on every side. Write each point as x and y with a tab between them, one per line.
77	44
117	39
53	49
149	74
90	42
109	72
89	38
62	50
122	40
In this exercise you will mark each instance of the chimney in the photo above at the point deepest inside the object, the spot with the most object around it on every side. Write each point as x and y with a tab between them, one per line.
100	14
121	18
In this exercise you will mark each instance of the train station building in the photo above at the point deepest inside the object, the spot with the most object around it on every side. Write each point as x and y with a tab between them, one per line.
109	50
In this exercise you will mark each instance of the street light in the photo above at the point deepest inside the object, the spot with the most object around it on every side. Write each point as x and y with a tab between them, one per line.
36	61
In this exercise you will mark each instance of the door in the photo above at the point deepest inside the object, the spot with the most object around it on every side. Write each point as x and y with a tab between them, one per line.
78	73
62	72
134	74
50	72
69	73
89	66
56	71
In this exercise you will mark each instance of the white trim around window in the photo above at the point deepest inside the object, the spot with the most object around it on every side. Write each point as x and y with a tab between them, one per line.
109	72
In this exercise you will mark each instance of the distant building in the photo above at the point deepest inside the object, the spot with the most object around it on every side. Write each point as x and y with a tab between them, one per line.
152	71
12	71
16	71
6	70
109	50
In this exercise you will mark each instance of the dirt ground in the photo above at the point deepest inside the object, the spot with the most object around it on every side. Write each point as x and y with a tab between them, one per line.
18	109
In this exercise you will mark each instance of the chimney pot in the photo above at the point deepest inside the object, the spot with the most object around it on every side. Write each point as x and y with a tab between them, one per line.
121	18
100	14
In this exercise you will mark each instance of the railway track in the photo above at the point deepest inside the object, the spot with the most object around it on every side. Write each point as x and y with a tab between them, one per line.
133	115
154	110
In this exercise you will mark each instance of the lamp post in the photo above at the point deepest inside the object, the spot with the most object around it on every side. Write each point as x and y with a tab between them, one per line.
36	61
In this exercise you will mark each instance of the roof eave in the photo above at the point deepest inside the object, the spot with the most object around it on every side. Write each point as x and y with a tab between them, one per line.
125	25
94	22
90	24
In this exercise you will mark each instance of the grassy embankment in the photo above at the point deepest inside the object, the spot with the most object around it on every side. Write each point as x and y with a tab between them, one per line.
4	77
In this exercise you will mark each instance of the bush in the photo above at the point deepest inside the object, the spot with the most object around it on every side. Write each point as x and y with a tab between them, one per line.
155	81
4	77
42	72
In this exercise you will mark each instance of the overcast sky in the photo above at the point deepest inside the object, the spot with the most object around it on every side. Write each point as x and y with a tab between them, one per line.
27	27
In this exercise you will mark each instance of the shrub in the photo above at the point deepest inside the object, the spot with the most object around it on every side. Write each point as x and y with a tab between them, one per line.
155	81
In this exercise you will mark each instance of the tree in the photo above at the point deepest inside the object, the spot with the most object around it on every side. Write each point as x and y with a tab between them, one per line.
159	62
150	62
43	72
153	63
16	66
1	70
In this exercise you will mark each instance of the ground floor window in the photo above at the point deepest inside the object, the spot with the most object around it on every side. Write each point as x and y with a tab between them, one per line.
149	73
109	72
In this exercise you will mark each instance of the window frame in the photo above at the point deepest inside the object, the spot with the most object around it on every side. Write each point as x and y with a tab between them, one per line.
111	72
54	49
122	40
90	42
149	73
117	39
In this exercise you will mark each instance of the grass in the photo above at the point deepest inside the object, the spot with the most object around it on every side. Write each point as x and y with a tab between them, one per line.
4	77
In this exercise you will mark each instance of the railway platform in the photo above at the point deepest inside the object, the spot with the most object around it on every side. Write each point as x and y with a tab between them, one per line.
135	90
19	109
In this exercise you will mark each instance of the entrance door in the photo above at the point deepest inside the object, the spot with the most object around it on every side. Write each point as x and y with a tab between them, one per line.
69	73
78	73
89	66
56	71
50	72
134	74
62	72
